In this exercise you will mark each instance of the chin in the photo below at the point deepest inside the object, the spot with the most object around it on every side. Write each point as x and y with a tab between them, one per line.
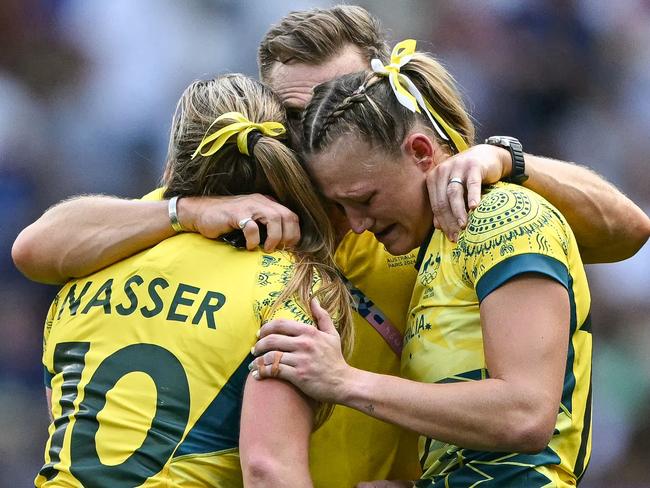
399	248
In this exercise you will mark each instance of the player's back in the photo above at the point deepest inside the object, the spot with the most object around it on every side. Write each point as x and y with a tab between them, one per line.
147	360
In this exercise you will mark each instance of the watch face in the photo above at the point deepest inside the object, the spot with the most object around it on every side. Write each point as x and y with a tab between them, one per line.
518	172
501	140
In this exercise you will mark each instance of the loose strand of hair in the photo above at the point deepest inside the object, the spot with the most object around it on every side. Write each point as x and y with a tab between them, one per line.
317	254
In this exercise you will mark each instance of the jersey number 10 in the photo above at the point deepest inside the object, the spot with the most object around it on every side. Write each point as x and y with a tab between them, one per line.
167	425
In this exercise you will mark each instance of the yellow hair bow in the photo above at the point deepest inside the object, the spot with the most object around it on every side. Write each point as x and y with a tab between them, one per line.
407	93
242	127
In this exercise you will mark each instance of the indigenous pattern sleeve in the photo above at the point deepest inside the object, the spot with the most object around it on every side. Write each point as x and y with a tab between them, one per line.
513	231
510	233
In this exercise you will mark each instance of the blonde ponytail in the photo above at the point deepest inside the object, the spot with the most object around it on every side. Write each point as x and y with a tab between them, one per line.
313	256
273	169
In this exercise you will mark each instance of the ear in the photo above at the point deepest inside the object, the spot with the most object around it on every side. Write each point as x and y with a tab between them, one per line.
419	147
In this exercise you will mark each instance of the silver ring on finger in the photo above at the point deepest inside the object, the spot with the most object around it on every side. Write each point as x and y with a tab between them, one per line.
242	223
455	180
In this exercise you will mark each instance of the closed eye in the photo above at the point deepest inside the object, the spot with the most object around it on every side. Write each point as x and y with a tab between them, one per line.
365	200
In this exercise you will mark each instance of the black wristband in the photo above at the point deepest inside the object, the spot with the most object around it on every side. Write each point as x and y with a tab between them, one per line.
518	171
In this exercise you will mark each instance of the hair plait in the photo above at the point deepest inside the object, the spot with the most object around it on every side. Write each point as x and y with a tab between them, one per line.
338	111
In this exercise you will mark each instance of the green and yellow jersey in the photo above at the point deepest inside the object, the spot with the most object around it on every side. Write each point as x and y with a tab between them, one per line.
513	231
351	446
147	361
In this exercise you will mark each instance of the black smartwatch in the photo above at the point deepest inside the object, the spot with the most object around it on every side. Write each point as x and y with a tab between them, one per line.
518	172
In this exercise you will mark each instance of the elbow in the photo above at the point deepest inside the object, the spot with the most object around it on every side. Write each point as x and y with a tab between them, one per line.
259	471
24	254
623	243
533	438
613	237
264	471
630	246
530	432
638	236
642	235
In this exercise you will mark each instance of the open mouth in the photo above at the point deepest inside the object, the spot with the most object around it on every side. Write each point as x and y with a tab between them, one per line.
384	233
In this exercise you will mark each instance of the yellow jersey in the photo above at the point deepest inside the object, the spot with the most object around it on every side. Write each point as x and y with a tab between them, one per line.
147	360
352	447
512	231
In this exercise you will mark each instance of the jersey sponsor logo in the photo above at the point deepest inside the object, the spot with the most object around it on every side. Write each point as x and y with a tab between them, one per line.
149	298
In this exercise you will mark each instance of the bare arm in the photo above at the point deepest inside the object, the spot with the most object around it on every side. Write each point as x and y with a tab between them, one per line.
84	234
514	410
608	226
276	423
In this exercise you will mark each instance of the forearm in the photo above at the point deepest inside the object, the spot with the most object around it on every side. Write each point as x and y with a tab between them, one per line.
85	234
608	226
491	414
513	410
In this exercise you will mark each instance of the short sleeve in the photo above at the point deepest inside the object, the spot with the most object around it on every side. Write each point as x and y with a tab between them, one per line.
155	195
274	273
513	231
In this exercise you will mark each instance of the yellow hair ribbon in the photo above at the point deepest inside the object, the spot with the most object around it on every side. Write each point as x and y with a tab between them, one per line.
407	93
456	138
242	127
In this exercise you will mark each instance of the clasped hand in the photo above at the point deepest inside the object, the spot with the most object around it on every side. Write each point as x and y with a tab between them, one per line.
307	356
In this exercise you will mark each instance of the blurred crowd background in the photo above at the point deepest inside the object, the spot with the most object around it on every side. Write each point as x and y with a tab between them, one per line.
87	89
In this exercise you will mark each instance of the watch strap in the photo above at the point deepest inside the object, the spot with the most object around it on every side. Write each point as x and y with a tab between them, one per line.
518	170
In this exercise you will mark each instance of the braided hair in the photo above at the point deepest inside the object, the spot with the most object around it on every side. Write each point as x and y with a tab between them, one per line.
359	96
364	104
